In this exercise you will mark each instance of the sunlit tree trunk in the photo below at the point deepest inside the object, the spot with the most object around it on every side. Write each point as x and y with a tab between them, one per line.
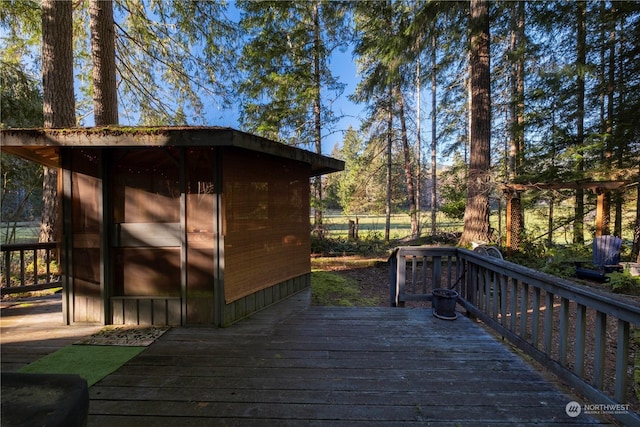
387	224
103	54
434	121
58	97
408	169
476	214
516	127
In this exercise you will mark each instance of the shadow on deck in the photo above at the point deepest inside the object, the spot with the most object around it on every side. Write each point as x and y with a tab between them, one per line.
294	365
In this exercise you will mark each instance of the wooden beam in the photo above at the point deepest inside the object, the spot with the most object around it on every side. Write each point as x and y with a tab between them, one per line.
586	185
47	156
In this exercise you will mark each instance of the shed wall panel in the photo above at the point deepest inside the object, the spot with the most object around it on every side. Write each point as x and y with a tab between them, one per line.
265	222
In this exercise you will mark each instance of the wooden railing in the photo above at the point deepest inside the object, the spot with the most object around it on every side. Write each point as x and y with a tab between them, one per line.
581	335
26	267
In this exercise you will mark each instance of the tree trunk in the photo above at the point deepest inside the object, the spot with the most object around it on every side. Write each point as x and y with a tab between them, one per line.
387	224
418	138
317	114
476	214
552	200
434	143
103	55
578	225
635	250
516	128
58	97
408	170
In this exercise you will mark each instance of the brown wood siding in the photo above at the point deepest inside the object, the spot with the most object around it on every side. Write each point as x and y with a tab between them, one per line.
265	222
86	202
201	257
146	222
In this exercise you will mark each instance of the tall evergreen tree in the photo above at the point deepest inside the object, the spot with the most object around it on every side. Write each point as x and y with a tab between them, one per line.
58	96
580	65
476	215
103	55
285	82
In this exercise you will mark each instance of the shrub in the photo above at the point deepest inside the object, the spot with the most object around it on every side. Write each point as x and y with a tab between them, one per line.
624	283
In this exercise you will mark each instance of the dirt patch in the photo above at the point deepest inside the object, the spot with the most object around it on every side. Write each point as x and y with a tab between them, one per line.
371	275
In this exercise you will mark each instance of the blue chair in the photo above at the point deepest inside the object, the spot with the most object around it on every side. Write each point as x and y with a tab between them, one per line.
606	259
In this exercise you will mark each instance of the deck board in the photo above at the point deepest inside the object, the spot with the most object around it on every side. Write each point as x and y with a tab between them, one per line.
330	366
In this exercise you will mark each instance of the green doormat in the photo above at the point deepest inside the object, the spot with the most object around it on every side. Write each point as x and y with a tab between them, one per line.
91	362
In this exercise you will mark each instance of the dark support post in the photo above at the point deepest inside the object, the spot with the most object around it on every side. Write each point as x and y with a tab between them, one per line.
67	233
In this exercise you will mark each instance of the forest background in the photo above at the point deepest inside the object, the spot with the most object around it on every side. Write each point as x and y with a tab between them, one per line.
564	91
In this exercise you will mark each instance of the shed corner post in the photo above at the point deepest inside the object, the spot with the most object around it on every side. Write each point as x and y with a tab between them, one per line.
65	185
106	257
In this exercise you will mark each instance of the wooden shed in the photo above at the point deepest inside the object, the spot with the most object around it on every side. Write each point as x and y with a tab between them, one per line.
176	226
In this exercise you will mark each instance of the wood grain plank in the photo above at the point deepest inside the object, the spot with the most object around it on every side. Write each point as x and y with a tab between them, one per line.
330	366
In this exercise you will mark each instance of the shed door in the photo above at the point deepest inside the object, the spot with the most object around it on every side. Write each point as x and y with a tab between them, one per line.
146	226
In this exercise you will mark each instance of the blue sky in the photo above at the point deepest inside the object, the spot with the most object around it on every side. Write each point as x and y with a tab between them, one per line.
345	70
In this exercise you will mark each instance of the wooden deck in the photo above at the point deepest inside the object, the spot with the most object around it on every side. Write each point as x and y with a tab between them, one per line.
32	328
291	365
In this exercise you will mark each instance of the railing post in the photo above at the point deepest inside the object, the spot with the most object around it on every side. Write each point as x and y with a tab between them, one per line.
393	276
401	279
7	268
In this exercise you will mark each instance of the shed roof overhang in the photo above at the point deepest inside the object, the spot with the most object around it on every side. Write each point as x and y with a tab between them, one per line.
42	145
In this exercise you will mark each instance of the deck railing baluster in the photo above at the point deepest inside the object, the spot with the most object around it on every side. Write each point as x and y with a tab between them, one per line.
425	265
548	321
22	269
414	274
47	261
535	317
524	309
622	361
599	350
496	295
563	333
581	333
503	299
35	266
486	290
513	306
